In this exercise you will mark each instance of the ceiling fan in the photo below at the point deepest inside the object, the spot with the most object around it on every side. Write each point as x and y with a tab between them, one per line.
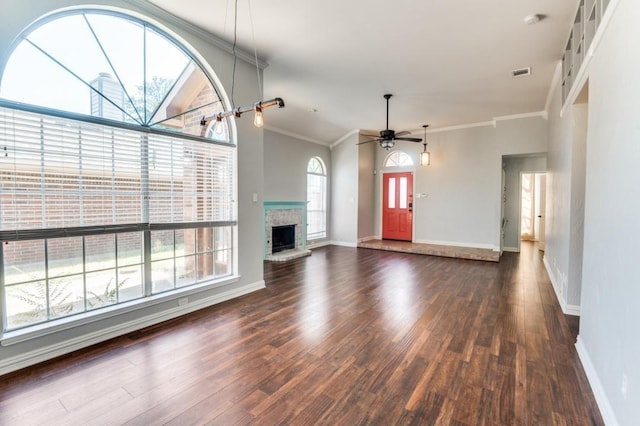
389	137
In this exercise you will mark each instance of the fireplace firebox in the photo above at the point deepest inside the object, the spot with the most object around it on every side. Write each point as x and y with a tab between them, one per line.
283	238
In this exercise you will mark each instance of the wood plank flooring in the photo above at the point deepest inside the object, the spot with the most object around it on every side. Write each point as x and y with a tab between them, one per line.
346	336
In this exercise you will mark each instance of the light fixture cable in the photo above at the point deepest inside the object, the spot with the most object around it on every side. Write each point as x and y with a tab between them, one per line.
233	50
257	107
255	50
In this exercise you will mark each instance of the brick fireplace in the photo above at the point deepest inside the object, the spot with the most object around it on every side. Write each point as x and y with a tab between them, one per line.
285	214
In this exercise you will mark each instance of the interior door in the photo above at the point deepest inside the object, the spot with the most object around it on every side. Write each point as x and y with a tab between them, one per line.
397	206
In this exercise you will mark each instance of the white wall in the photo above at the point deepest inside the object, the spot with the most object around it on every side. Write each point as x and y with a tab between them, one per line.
285	166
565	201
344	197
576	230
609	341
366	189
17	15
463	182
463	189
559	165
285	170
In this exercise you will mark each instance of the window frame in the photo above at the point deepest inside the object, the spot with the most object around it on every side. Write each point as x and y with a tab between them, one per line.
323	211
395	157
20	334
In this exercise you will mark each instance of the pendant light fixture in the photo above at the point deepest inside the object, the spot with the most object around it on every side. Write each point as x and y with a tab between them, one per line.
425	156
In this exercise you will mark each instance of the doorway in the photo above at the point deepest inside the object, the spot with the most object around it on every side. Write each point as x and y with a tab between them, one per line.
532	207
397	206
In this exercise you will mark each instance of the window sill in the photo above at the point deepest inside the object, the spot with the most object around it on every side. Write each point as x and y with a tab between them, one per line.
28	333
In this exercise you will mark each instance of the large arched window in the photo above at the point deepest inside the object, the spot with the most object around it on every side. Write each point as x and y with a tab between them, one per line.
108	193
316	199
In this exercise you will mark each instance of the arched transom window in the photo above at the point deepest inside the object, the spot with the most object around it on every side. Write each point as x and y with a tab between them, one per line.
316	199
108	191
111	66
398	159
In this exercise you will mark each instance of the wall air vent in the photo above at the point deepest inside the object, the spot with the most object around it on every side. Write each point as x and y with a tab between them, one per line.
522	72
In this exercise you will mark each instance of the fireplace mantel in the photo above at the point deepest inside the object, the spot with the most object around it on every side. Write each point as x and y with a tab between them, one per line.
280	213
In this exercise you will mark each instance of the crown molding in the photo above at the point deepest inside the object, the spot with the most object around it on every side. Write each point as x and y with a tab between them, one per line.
294	135
344	138
542	114
460	127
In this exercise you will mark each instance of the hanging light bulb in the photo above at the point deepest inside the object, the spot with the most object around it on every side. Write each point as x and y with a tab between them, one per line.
258	120
425	156
218	127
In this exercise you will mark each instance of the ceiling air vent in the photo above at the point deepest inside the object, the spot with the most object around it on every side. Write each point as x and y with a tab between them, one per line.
522	72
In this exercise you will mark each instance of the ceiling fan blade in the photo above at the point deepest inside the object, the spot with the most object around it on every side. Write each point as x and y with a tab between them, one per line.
372	140
409	139
404	132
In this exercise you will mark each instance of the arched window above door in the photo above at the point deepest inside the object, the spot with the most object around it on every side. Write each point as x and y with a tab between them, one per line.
398	159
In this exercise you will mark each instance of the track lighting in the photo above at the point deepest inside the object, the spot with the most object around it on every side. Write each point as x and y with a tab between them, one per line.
258	119
237	112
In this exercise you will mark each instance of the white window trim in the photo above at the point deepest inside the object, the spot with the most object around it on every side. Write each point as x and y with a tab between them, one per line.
324	210
33	332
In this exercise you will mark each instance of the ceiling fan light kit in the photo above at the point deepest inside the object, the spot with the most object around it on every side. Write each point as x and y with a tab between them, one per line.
389	137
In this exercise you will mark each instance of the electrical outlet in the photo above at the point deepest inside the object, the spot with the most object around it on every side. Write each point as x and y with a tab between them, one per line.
183	301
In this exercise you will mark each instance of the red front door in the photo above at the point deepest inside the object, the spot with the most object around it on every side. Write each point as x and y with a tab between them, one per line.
397	206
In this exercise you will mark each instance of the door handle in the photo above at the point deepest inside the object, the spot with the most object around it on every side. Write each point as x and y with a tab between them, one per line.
540	216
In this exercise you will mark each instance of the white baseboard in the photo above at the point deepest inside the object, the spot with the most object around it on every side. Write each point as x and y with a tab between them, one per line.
566	308
318	245
344	244
571	310
511	249
606	411
61	348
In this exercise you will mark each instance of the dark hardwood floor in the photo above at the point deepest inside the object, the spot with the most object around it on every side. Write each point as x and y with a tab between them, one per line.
346	336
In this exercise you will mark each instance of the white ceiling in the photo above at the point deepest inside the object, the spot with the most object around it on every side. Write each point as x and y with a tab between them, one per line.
447	62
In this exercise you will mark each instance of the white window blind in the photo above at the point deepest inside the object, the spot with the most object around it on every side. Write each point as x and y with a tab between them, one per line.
60	173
